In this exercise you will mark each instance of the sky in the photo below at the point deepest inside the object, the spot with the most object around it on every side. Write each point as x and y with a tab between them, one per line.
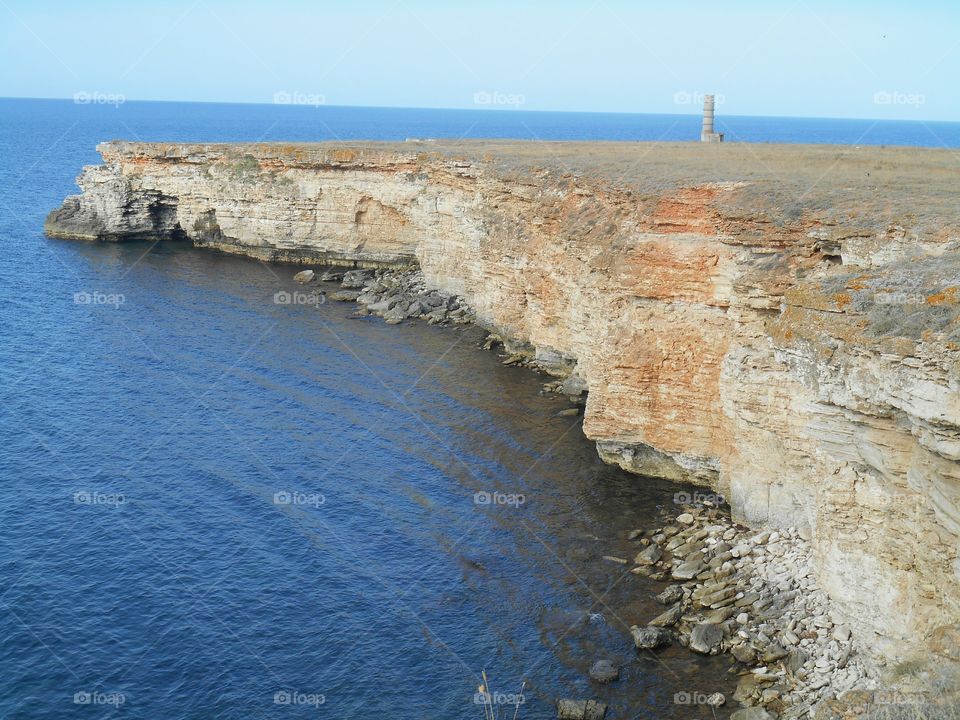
809	58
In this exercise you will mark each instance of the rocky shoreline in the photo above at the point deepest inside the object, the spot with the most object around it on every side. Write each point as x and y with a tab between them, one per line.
395	294
792	349
752	595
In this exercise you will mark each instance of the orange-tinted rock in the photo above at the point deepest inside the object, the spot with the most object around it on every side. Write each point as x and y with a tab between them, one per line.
763	319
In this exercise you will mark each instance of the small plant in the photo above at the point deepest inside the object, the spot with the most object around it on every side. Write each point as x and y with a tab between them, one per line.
909	668
496	705
245	168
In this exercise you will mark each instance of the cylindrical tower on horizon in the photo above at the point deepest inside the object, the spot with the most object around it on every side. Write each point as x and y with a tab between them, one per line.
707	115
708	134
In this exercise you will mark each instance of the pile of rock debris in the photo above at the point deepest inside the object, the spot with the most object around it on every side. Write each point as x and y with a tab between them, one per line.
395	294
751	594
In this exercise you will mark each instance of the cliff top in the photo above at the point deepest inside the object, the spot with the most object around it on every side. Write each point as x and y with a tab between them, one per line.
867	186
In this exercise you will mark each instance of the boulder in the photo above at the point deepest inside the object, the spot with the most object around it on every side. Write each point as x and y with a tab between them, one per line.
670	595
581	710
716	617
795	660
668	618
574	385
841	634
749	686
688	570
649	555
650	637
716	699
706	638
394	316
772	653
745	654
304	276
437	316
379	306
356	278
604	671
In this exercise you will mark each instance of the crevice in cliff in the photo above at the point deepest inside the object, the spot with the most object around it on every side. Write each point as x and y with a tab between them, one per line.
162	215
206	229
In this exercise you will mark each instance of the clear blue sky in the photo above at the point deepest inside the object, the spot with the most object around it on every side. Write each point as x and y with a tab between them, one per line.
840	58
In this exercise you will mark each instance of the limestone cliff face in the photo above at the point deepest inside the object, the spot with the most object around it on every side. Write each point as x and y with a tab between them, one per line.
797	351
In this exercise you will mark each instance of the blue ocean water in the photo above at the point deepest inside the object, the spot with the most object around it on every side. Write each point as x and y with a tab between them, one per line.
213	506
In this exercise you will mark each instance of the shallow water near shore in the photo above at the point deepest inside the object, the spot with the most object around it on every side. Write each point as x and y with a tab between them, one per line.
182	580
209	498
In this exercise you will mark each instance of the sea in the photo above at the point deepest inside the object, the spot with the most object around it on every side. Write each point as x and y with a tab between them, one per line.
215	506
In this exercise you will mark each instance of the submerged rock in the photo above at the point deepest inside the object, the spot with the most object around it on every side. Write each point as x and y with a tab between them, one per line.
604	671
581	710
650	637
716	699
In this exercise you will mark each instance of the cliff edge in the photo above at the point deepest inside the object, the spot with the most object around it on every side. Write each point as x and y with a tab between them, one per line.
777	322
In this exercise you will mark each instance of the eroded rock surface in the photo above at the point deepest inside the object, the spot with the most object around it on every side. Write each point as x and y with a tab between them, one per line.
779	323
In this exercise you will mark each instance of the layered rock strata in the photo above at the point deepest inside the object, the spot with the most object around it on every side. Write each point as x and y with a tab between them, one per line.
778	323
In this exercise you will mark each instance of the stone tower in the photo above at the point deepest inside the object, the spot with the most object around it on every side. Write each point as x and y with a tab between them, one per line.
708	134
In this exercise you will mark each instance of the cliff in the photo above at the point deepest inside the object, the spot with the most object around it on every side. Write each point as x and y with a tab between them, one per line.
779	323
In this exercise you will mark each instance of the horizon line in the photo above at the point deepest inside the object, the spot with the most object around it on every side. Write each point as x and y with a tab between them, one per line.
317	106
